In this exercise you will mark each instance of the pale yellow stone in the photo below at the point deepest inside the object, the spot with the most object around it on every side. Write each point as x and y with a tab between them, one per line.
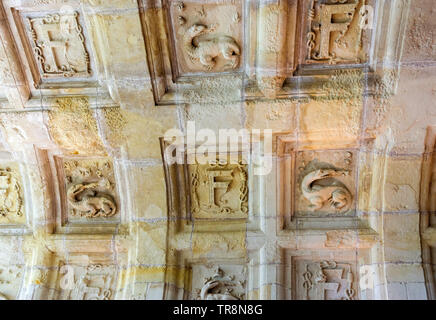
278	115
401	237
139	131
150	192
226	244
401	192
334	122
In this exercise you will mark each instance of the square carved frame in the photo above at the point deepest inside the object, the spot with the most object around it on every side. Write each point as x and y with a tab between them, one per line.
57	217
179	199
18	13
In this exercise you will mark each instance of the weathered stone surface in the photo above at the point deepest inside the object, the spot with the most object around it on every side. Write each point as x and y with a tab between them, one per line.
92	205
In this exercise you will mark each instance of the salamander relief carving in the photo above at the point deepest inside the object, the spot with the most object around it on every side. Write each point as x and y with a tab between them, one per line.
332	190
221	287
87	199
205	49
90	188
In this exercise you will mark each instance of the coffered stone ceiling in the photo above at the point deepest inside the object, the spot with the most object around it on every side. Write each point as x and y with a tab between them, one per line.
92	205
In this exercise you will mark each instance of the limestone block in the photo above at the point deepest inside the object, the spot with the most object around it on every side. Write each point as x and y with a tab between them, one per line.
401	192
137	132
11	277
153	243
149	196
227	244
73	127
412	273
401	237
420	43
329	121
125	50
279	115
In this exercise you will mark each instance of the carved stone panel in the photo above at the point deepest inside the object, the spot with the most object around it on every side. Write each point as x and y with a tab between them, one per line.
325	183
336	31
90	190
88	282
58	45
218	282
207	36
11	195
219	190
325	280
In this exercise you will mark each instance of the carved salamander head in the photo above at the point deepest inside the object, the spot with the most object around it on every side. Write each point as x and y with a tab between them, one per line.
197	29
326	173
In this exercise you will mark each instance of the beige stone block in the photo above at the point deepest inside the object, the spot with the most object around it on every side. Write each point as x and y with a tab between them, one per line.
401	191
213	96
215	117
12	250
144	274
403	117
334	121
224	244
404	272
149	192
152	247
73	127
276	115
138	132
11	277
125	51
108	5
401	237
396	291
371	173
420	42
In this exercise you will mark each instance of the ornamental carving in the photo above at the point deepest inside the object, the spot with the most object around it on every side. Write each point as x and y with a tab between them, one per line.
90	188
221	286
58	45
207	50
93	282
325	280
219	190
202	43
336	31
11	194
335	193
325	183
